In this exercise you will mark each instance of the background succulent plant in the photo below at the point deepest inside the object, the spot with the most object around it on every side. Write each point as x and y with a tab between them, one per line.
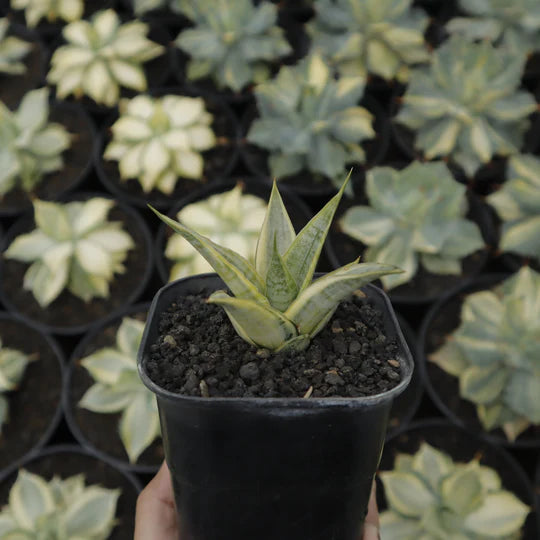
118	388
494	352
156	140
466	104
12	51
518	205
231	219
310	120
35	10
12	366
100	56
30	145
73	247
38	509
432	497
414	215
382	37
234	43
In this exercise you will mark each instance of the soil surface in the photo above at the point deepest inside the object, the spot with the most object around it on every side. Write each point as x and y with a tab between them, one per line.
351	357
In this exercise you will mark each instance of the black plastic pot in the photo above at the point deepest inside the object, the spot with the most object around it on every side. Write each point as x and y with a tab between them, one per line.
293	469
69	460
462	446
441	320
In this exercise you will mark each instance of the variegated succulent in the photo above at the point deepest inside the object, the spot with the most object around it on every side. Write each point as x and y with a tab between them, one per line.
380	37
100	56
432	497
309	120
233	43
515	24
276	305
74	247
414	215
231	219
30	145
494	352
517	203
58	509
52	10
157	140
12	366
12	51
466	104
118	388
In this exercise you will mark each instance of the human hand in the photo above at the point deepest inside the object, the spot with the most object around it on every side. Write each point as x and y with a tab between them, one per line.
155	516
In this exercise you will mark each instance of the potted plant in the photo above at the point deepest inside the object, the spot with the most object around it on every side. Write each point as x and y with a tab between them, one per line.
12	51
258	467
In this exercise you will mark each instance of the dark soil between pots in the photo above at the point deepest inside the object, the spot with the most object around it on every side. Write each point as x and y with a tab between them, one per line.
72	462
101	430
351	357
35	405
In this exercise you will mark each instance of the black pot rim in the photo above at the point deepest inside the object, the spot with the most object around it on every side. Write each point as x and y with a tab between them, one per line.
137	291
66	395
289	405
474	284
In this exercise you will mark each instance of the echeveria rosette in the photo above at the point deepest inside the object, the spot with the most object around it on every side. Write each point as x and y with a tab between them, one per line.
466	104
515	24
52	10
416	215
231	219
309	120
74	247
158	140
380	37
431	497
100	56
494	352
12	51
233	41
30	146
38	509
517	203
118	389
275	304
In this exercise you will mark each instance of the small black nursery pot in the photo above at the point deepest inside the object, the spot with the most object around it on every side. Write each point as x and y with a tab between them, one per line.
269	468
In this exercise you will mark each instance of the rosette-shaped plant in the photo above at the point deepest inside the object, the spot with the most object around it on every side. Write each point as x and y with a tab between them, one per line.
466	104
432	497
100	56
230	219
12	366
232	42
58	509
52	10
12	51
414	215
30	145
73	247
310	120
495	352
118	388
516	24
382	37
518	205
276	305
156	140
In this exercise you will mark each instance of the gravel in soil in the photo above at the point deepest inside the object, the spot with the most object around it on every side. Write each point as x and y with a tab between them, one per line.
199	349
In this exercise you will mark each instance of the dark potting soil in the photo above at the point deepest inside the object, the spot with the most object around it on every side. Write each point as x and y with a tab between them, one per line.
33	405
69	311
66	464
351	357
101	430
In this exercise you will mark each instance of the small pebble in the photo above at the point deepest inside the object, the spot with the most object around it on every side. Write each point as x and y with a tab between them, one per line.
250	371
169	340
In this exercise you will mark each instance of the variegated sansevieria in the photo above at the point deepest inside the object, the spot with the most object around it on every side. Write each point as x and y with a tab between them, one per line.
276	303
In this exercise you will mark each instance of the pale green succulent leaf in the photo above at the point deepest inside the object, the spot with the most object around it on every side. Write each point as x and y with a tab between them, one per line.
462	491
430	463
521	395
450	358
366	224
52	219
129	336
102	398
396	527
481	384
7	522
27	247
522	237
437	264
406	493
105	365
